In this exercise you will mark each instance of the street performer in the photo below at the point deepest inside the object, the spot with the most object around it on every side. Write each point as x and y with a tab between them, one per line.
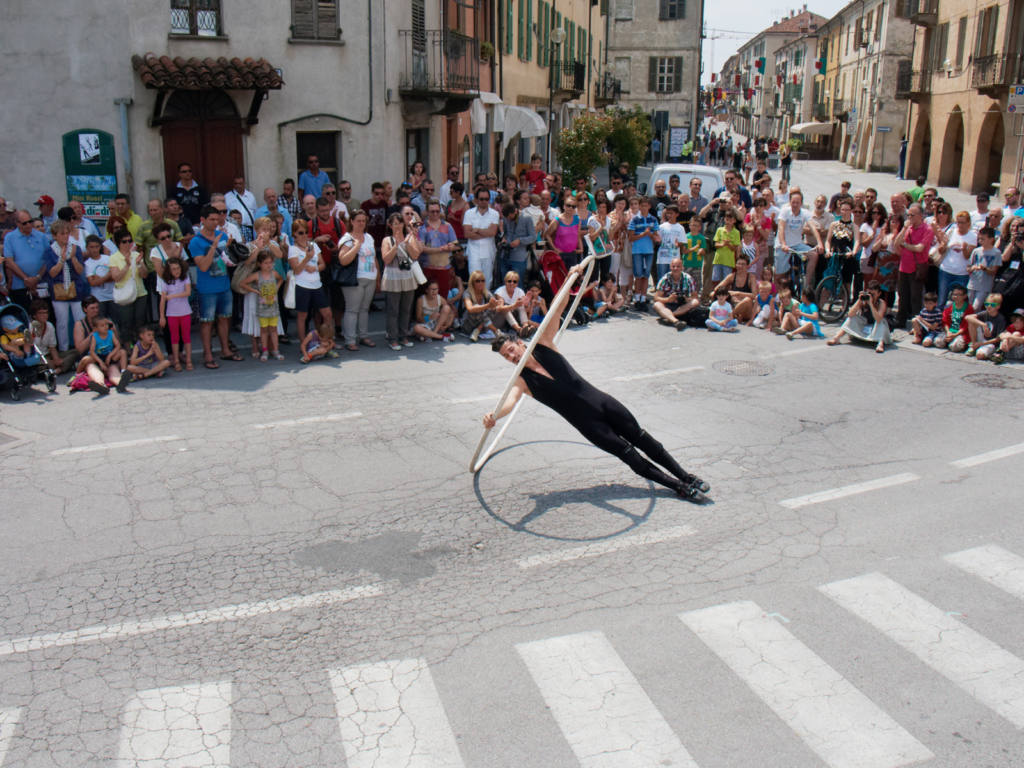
599	417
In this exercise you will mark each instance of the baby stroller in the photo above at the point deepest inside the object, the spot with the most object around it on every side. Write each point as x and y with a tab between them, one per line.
553	270
24	371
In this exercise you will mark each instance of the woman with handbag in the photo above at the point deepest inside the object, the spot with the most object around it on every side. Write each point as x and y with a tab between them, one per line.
398	250
357	274
68	286
128	270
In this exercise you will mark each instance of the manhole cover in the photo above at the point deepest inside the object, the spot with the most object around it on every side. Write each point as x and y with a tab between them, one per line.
743	367
993	381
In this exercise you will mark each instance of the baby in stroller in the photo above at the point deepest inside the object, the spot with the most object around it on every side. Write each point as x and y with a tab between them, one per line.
25	361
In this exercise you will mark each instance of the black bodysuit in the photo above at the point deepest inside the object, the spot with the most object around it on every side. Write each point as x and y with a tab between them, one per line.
599	417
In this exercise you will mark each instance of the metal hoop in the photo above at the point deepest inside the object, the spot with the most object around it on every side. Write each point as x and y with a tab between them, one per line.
478	461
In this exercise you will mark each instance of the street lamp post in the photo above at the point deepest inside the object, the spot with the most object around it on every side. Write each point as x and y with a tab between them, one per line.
557	38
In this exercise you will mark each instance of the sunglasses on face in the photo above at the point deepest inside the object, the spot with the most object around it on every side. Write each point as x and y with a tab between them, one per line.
164	237
124	240
516	281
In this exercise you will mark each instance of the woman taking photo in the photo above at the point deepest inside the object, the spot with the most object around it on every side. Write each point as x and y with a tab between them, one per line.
866	321
618	226
310	297
66	275
598	226
564	234
417	175
399	249
357	258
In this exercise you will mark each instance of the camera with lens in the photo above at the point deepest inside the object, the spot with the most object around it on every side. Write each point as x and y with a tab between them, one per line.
864	296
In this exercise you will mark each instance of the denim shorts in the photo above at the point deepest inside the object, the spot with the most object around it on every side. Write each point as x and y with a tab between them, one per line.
214	305
642	264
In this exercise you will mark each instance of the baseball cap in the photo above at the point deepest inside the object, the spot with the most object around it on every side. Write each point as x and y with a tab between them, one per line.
1018	311
44	200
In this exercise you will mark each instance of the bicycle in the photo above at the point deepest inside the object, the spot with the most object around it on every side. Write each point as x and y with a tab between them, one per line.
832	294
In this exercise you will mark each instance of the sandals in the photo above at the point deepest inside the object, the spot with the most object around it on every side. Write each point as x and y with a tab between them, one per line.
234	356
177	366
352	347
368	342
211	364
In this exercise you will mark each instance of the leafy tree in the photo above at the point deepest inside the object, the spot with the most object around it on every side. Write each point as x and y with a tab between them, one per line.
581	146
630	135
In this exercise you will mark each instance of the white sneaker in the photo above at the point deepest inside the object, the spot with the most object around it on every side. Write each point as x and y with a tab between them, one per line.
488	336
475	334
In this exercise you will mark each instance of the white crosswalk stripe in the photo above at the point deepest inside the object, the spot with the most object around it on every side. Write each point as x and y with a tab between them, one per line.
606	717
390	715
8	722
991	674
822	707
186	726
995	565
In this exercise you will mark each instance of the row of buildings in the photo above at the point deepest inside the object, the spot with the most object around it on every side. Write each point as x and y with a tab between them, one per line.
938	72
111	95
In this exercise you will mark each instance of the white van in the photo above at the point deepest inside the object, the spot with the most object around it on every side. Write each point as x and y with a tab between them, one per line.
713	178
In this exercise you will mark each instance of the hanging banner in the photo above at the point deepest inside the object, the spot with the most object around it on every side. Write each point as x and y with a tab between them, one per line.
90	169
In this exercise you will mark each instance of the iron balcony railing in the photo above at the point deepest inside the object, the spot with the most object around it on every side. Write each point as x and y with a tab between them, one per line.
997	71
921	82
607	88
568	76
438	61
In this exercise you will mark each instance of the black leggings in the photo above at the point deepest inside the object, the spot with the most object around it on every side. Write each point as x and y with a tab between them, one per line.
618	433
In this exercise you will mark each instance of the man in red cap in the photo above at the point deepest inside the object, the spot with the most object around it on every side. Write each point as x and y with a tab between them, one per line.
46	203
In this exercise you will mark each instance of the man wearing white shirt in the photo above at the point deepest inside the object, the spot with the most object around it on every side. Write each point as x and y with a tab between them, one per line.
979	214
480	225
240	199
225	225
444	194
338	209
792	223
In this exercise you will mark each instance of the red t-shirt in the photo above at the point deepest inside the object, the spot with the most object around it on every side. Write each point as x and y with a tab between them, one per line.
332	228
536	178
947	320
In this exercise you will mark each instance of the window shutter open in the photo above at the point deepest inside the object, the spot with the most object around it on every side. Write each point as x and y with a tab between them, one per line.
677	72
303	19
508	27
528	26
327	19
520	25
544	12
652	74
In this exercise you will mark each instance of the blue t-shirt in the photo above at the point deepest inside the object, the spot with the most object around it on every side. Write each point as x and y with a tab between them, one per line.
811	309
29	253
313	185
639	223
215	279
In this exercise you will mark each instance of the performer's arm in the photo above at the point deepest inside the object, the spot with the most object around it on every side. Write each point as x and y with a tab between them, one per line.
558	306
518	389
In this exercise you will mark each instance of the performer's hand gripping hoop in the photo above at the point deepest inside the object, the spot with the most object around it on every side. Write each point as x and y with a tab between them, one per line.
480	456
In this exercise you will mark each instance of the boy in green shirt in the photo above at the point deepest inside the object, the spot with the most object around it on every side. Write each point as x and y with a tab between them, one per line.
696	249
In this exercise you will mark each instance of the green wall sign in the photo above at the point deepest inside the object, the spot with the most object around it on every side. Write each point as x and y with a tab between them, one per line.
90	169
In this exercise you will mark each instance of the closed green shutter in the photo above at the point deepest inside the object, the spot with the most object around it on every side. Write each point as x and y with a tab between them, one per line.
544	11
677	86
590	52
520	37
652	74
508	27
529	31
571	40
559	50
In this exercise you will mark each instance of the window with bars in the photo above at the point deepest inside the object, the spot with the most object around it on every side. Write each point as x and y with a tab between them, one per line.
197	18
670	10
318	19
665	74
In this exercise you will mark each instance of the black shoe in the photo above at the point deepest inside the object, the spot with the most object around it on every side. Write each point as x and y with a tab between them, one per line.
695	482
98	388
687	491
124	381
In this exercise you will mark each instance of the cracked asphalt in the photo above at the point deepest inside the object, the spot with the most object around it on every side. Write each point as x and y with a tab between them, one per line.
154	579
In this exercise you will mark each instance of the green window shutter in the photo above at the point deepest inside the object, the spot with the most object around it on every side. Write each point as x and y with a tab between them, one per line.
677	86
590	52
560	50
520	37
529	29
652	74
508	27
571	39
544	11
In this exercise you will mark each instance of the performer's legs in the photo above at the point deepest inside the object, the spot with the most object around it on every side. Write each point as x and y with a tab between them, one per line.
602	435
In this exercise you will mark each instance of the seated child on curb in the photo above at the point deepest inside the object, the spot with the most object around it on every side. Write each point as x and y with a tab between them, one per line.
317	343
766	307
1011	341
954	329
105	349
928	325
609	300
147	358
985	327
804	319
720	313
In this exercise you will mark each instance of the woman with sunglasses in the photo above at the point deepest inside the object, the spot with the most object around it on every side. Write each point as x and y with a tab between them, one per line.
604	421
954	244
399	249
511	312
564	234
478	320
126	264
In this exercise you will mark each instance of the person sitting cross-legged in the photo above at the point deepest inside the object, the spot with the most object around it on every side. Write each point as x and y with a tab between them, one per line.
675	296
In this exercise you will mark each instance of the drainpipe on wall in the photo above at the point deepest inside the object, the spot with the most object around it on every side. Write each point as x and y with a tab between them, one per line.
126	146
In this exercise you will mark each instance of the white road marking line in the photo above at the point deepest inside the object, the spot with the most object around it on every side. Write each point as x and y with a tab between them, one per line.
8	722
390	714
604	547
995	565
606	717
986	671
849	490
478	399
798	351
181	726
983	458
656	374
116	445
309	420
126	629
842	725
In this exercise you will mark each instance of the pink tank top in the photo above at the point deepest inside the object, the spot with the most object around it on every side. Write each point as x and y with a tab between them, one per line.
567	235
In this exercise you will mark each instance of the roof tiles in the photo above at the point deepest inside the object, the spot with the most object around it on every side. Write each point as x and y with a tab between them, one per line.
195	74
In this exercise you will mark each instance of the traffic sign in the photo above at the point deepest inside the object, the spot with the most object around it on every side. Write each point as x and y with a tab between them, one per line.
884	129
1016	100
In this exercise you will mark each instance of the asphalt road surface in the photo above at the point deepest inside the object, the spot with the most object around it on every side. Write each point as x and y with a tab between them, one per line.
284	565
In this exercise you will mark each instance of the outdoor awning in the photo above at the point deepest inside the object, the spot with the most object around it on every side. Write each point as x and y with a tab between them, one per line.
478	110
522	122
811	129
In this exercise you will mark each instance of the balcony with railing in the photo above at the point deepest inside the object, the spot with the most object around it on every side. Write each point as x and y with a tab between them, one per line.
439	64
993	74
568	77
920	84
820	111
838	107
923	13
607	89
904	78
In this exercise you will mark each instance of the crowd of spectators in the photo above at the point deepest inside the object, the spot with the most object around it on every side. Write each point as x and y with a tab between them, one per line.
117	301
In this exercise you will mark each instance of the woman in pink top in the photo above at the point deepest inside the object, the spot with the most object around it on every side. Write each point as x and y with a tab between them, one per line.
565	235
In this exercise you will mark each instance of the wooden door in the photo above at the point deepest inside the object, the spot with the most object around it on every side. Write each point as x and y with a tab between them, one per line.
214	147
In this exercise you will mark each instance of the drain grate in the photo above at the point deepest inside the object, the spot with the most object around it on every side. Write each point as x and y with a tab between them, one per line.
993	381
743	367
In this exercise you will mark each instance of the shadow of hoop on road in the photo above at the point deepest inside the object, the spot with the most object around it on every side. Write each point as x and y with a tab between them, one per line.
615	503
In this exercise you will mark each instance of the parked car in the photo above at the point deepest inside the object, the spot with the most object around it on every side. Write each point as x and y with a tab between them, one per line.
712	177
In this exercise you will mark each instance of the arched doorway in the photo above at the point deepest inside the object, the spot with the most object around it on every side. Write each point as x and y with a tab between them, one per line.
202	128
920	149
989	158
952	150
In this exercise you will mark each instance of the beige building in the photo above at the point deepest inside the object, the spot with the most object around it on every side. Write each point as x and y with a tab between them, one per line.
967	54
791	95
864	46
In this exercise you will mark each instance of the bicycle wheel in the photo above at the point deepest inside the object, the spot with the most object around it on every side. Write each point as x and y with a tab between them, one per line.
832	299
